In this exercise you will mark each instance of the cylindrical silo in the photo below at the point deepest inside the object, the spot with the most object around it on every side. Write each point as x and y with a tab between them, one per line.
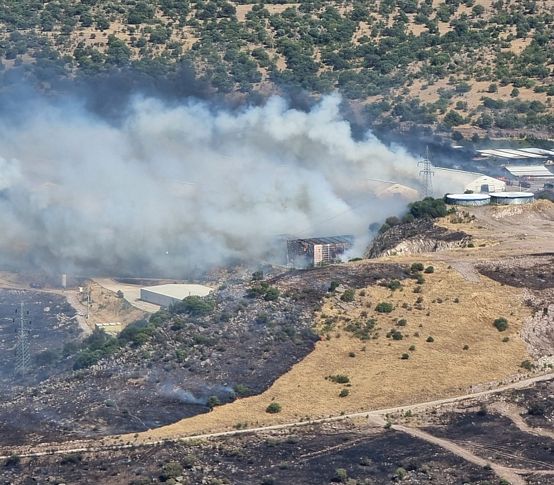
468	199
510	198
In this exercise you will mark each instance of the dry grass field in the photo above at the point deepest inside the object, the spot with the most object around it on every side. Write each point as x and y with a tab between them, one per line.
456	312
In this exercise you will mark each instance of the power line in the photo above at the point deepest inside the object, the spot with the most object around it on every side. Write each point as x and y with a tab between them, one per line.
22	349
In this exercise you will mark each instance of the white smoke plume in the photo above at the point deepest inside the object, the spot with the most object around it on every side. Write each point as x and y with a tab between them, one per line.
181	187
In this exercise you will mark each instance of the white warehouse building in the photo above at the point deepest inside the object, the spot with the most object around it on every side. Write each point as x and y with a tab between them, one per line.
486	184
166	295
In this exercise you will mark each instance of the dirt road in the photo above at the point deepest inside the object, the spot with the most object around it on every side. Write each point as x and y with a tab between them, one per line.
374	416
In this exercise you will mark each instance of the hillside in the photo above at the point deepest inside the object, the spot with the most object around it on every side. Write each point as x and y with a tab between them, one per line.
470	66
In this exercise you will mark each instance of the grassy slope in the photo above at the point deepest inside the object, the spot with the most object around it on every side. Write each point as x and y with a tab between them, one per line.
379	377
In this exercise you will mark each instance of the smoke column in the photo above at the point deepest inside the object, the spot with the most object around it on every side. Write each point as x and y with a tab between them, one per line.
180	187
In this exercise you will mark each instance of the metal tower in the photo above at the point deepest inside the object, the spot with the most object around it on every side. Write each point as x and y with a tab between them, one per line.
427	174
22	350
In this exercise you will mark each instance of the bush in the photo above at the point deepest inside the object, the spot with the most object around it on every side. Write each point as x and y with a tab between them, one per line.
273	408
271	294
257	276
394	285
172	469
429	270
420	279
348	295
384	307
501	324
333	286
344	393
416	267
428	208
339	379
241	390
213	401
405	356
430	339
193	305
341	475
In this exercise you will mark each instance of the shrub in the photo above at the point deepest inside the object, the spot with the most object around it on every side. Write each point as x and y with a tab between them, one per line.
396	335
348	295
271	294
402	322
394	285
420	279
501	324
429	269
341	475
339	379
536	409
384	307
241	390
171	470
527	364
257	276
213	401
430	339
344	393
466	347
412	348
333	286
273	408
405	356
416	267
193	305
428	208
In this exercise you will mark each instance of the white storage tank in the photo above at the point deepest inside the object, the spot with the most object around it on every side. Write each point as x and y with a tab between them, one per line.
512	198
468	199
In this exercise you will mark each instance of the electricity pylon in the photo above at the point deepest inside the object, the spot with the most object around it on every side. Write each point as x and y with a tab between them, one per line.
427	174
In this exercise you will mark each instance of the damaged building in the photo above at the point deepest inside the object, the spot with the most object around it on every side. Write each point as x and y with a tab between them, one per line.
317	251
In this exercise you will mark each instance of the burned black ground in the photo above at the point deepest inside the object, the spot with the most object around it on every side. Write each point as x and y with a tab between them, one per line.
314	455
496	438
238	349
51	324
534	272
537	403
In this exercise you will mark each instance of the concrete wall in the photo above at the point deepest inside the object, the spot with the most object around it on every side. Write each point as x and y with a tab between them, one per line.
157	298
511	200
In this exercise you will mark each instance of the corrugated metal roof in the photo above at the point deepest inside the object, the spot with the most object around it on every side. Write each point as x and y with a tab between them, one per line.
529	171
328	240
512	153
539	151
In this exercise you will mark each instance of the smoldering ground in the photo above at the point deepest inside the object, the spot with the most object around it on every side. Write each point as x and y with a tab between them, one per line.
181	186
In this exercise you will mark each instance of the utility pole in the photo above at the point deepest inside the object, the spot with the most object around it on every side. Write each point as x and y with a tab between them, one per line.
427	173
22	350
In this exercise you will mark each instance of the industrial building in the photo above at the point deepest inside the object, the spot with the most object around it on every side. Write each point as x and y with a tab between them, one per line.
524	155
463	181
166	295
317	251
485	184
512	198
468	199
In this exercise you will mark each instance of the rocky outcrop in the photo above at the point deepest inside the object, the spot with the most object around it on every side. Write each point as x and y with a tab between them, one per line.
420	236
